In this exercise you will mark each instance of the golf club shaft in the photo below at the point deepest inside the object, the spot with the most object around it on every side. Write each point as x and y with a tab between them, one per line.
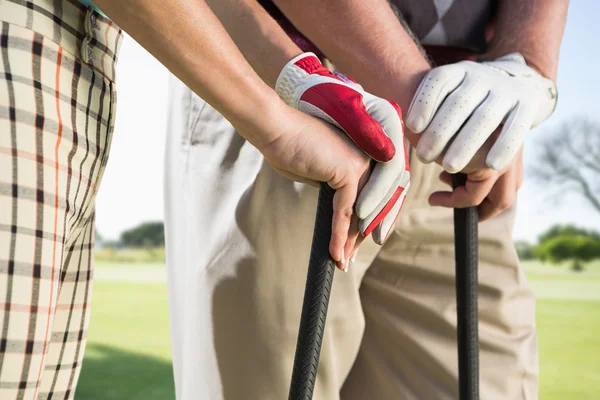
466	253
316	299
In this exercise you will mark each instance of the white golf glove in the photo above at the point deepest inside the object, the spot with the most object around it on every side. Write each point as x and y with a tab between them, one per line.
374	124
462	104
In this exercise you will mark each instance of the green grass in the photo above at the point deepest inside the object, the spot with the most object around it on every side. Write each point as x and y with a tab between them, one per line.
133	256
564	267
559	282
116	264
569	349
568	322
128	354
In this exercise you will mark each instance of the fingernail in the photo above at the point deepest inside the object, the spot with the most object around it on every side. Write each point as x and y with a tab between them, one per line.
345	269
353	257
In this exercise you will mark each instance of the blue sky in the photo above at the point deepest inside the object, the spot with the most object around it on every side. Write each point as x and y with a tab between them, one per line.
131	191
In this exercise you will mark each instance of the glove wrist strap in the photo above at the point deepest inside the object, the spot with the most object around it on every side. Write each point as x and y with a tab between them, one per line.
292	74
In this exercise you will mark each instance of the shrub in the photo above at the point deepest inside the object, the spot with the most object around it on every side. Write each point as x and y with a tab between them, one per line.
147	234
561	248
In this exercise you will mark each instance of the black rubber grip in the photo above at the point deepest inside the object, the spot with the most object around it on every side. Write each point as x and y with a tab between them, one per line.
466	253
316	299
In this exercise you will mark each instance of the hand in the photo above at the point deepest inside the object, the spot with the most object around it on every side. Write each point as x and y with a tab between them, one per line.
493	191
462	104
374	124
309	150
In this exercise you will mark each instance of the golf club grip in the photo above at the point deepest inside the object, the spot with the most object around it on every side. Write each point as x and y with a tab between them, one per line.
316	299
466	253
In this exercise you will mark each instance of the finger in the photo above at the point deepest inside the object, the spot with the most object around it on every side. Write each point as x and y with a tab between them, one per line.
343	203
359	241
353	237
472	194
382	231
453	113
511	138
485	210
484	121
384	175
446	178
477	163
431	93
386	204
502	196
389	116
381	185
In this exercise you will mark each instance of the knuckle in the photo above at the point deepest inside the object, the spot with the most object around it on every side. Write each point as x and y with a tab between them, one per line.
337	179
476	199
473	202
506	202
345	212
479	200
423	154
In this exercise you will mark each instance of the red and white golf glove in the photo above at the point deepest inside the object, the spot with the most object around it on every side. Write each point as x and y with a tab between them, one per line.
374	124
464	103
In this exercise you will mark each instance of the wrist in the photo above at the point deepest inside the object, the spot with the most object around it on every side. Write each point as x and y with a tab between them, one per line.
543	67
260	121
404	89
272	121
534	60
402	85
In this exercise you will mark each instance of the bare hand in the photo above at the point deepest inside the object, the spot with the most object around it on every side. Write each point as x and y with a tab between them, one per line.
492	191
309	150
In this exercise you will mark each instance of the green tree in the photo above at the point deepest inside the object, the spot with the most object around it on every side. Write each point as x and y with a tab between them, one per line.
567	230
147	234
576	248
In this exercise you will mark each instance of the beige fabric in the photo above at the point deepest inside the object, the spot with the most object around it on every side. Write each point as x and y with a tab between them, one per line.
57	113
238	238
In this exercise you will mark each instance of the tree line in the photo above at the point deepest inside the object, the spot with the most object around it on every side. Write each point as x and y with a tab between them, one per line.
558	244
563	243
146	235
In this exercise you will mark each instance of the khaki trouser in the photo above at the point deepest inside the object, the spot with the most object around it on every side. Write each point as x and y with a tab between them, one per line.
238	239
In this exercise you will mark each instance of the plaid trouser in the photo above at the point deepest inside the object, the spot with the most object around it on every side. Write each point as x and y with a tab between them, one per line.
57	109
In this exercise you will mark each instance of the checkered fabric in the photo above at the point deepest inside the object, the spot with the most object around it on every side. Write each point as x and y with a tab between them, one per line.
57	108
456	23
